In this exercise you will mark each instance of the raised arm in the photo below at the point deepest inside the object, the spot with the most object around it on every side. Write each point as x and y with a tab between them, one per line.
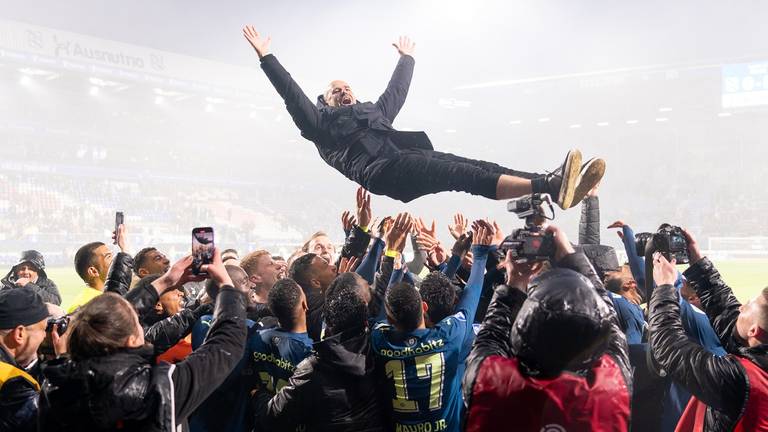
393	97
717	299
304	113
719	382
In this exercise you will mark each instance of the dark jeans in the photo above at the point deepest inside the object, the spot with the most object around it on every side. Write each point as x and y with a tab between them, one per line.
415	173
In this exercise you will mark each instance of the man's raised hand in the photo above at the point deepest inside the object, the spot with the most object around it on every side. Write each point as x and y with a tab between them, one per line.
260	44
405	46
364	214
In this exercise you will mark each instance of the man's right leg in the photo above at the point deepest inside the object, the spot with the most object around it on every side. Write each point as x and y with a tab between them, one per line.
416	173
488	166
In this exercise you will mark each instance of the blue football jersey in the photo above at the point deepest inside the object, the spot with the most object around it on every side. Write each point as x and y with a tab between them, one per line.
275	353
423	369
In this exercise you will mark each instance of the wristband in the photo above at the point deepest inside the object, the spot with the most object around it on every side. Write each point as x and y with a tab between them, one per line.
363	228
391	253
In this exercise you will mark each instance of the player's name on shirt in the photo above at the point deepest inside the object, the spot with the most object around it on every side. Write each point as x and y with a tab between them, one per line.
423	347
430	426
277	361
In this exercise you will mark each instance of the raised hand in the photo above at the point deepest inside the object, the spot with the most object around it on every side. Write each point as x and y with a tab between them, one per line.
498	234
405	46
459	226
563	247
398	232
385	225
618	224
363	207
120	237
520	274
348	264
484	233
664	272
348	220
260	44
422	228
179	274
694	253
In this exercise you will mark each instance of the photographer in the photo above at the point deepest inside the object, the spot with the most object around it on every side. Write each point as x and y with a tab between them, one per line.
730	392
23	322
30	273
550	354
111	380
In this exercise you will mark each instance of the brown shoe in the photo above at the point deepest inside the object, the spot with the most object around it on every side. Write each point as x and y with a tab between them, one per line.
561	183
591	174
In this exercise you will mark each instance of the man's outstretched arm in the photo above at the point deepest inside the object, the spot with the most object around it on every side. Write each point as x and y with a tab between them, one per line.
304	113
393	97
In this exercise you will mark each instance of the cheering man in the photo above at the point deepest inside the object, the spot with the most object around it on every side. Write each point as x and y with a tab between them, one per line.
358	140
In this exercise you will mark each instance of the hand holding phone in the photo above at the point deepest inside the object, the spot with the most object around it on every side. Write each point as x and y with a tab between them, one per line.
202	248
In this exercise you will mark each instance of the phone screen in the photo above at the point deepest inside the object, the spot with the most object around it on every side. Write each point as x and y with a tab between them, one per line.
118	222
202	247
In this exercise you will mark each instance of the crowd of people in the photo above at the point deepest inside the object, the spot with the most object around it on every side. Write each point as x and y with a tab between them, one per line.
360	337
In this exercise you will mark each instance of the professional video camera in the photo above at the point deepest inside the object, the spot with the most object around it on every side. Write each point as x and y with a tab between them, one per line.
669	240
530	243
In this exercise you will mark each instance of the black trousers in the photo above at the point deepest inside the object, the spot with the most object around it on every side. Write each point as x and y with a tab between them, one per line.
414	173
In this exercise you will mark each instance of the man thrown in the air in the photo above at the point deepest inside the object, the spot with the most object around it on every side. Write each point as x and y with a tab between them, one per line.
358	140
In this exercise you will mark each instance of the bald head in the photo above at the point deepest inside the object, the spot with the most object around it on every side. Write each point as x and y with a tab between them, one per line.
752	323
339	94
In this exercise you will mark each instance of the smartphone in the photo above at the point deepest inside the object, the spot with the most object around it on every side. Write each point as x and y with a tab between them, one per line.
202	248
118	221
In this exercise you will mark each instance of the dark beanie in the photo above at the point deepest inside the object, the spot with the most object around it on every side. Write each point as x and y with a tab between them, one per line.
20	306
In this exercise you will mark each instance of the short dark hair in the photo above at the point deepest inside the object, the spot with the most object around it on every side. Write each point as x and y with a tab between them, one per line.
282	300
344	310
139	260
301	271
343	281
230	250
614	284
404	305
86	257
439	293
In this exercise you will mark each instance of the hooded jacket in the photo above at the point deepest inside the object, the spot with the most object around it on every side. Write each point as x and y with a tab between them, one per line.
722	383
357	140
127	391
335	389
43	286
496	380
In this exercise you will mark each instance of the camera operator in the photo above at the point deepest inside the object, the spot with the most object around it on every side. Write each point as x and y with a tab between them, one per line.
23	323
730	392
111	380
550	354
29	273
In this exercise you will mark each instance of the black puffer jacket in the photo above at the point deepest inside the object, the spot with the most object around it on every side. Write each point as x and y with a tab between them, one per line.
494	339
589	223
120	274
719	382
127	391
350	138
45	287
335	389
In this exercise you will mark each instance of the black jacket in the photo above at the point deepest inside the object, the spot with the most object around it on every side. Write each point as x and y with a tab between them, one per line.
45	287
589	223
719	382
18	396
120	274
164	333
335	389
494	336
127	391
356	140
